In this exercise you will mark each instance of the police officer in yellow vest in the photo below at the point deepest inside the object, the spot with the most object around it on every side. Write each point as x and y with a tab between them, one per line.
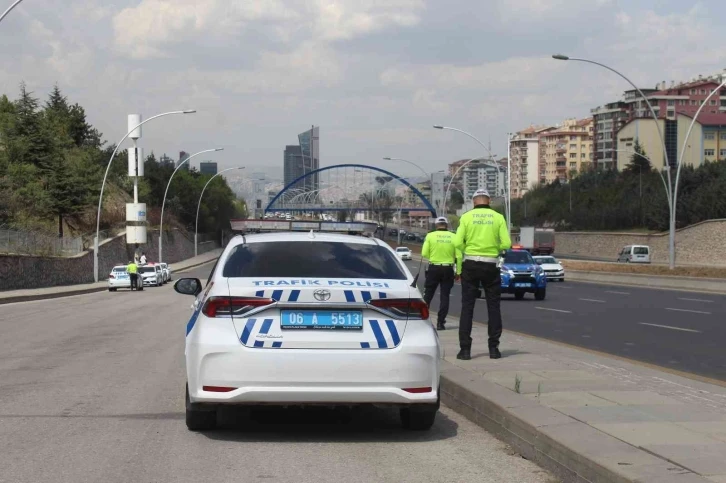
482	236
133	270
444	267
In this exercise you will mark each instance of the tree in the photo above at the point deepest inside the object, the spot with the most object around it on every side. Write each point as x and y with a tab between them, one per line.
639	161
456	201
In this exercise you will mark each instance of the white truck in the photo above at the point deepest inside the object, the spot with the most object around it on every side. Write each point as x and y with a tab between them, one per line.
537	241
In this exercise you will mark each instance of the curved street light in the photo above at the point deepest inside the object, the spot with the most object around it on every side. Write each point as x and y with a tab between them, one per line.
9	9
163	200
670	191
508	199
103	184
409	162
196	222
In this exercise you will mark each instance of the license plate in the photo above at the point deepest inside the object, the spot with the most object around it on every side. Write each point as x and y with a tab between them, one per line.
523	285
122	277
321	319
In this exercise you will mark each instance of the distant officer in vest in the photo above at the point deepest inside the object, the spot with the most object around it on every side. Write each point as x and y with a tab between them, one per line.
132	270
444	267
482	236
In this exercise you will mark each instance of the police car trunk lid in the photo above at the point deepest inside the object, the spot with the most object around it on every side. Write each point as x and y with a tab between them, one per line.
266	327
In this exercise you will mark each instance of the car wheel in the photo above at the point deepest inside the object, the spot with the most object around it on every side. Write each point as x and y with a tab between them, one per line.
111	289
419	417
540	294
199	420
518	295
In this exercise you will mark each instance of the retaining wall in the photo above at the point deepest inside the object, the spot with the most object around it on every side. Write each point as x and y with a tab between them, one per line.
703	243
27	271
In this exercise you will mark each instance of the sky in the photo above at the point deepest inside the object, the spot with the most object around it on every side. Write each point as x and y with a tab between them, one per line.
375	75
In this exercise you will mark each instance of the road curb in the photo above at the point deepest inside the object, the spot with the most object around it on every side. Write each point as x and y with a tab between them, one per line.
83	291
572	450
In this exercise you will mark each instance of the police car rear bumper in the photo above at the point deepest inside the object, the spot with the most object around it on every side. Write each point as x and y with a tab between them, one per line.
310	377
116	283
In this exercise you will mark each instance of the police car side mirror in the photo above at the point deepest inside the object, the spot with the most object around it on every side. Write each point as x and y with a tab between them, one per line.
188	286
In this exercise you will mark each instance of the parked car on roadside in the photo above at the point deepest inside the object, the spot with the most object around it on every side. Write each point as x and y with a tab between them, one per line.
118	278
634	254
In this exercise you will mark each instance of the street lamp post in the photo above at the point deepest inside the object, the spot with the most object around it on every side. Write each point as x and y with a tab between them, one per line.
163	201
507	200
670	192
196	222
9	9
672	187
409	162
103	184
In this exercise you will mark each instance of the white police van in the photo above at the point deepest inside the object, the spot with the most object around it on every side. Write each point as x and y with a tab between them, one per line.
306	318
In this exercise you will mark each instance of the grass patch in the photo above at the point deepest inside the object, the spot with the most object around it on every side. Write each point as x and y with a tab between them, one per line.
659	270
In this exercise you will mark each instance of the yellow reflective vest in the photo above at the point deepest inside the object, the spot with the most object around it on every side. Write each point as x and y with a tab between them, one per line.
482	232
438	248
132	268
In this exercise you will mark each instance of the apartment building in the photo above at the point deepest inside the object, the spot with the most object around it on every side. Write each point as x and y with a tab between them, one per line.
566	149
524	156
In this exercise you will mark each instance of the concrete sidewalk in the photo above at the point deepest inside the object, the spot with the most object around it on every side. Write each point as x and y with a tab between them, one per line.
586	416
68	290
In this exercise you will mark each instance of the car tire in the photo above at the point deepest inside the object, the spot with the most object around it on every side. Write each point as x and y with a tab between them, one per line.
198	420
540	294
111	289
419	417
519	295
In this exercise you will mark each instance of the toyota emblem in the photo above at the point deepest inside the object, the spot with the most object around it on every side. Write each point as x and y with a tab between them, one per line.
322	295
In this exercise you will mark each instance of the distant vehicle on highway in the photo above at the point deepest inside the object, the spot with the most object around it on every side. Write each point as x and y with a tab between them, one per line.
336	320
404	253
522	275
118	278
552	267
634	254
411	236
151	275
537	241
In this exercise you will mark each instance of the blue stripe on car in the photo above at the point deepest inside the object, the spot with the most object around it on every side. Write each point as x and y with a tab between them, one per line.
260	293
276	345
394	332
193	320
365	345
248	330
266	326
277	295
366	296
259	343
382	295
294	296
349	297
379	334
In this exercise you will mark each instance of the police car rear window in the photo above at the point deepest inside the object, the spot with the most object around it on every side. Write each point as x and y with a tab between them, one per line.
312	259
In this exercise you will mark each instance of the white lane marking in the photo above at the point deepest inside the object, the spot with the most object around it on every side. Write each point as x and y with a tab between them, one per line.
593	300
617	293
554	310
689	311
696	300
671	327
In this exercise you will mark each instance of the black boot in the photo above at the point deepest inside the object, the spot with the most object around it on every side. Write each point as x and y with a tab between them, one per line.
464	354
441	326
494	353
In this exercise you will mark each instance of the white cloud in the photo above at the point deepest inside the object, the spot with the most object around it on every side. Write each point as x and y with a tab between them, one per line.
154	26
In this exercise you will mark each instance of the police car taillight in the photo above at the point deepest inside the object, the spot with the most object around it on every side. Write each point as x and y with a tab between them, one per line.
408	308
226	306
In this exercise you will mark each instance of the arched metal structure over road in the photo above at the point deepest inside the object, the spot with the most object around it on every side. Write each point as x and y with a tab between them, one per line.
351	192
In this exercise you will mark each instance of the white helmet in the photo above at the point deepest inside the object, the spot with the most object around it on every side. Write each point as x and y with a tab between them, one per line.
441	220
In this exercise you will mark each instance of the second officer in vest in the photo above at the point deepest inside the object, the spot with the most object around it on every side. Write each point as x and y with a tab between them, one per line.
444	267
482	236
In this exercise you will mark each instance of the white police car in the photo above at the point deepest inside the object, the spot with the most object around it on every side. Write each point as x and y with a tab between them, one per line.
310	319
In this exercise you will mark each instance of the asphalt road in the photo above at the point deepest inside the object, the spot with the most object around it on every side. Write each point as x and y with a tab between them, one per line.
684	331
91	389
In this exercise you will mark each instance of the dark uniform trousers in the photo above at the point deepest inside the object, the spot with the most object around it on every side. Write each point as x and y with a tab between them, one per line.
487	275
439	275
134	277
